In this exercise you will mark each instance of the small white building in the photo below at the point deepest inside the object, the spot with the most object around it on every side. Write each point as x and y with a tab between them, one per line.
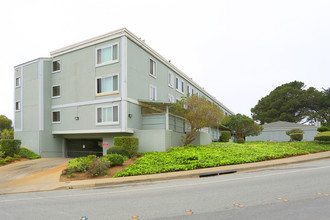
275	131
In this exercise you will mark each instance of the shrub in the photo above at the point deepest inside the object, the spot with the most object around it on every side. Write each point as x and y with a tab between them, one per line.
17	156
10	146
26	153
8	159
118	150
131	144
296	136
240	140
323	129
115	159
99	166
294	130
225	136
2	154
323	136
79	164
2	161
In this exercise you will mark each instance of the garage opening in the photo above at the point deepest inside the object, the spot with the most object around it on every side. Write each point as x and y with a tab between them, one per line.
83	147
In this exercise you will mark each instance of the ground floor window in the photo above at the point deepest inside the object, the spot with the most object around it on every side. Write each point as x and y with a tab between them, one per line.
107	115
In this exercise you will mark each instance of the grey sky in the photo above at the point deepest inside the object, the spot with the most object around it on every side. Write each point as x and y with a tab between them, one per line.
238	51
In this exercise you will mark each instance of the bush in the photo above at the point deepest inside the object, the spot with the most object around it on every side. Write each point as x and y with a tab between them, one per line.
2	154
17	156
115	159
26	153
10	146
323	136
118	150
130	144
99	166
80	164
294	130
296	136
323	129
8	159
225	136
240	140
2	161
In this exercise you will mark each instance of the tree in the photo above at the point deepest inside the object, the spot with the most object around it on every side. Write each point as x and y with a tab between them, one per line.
5	123
7	134
199	113
291	102
242	125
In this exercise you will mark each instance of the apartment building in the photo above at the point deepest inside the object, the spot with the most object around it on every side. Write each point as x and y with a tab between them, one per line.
75	102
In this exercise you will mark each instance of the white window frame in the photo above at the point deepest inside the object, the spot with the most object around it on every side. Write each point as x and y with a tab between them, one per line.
170	97
56	122
18	79
151	94
56	71
18	106
170	83
176	87
108	62
106	76
189	87
107	123
53	97
154	68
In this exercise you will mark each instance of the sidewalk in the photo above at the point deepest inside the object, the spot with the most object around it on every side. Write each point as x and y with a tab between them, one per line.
51	182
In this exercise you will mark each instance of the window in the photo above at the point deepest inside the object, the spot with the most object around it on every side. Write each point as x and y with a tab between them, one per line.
170	79
18	82
107	115
107	84
170	98
56	67
107	55
153	93
56	91
152	68
179	85
18	106
56	117
197	94
190	90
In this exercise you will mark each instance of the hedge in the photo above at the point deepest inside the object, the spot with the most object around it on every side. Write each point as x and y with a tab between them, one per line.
118	150
323	136
323	129
10	146
26	153
131	144
294	131
296	136
225	136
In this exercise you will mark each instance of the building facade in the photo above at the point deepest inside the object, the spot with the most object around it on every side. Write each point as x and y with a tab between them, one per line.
75	102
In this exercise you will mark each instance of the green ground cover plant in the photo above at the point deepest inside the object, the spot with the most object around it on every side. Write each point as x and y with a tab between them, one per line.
217	154
26	153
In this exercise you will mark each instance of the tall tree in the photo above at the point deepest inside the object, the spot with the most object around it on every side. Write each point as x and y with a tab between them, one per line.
199	113
5	123
289	102
242	125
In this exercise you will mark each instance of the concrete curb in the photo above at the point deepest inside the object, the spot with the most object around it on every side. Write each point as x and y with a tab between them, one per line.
192	173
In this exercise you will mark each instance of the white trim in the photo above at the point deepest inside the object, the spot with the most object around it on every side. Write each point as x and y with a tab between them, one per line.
95	131
52	94
107	123
151	93
76	104
182	92
41	94
168	98
106	76
155	71
52	119
56	71
108	62
123	88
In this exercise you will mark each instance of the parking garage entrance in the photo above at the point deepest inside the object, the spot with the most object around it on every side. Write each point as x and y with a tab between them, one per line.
83	147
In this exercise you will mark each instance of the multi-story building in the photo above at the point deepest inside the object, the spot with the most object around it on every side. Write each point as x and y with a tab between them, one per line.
84	95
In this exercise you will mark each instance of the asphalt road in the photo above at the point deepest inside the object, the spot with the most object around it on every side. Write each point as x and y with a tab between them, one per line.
290	192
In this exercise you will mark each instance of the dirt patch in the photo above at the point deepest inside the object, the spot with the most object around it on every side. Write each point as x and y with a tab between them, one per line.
111	171
14	161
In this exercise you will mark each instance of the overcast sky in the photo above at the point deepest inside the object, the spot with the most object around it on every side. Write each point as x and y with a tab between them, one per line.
239	51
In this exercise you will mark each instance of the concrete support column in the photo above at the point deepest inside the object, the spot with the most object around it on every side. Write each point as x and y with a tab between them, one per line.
166	119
